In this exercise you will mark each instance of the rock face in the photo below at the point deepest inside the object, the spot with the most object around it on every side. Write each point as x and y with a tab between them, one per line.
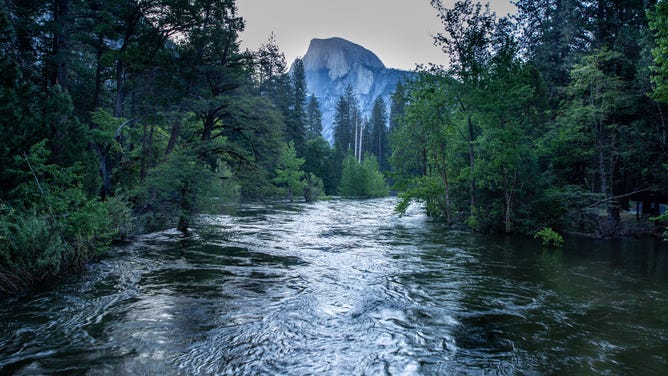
330	65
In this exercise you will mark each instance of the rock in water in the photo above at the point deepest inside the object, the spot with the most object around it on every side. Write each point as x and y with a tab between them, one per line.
330	65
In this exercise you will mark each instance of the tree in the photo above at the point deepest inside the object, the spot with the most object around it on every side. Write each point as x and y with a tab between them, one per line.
554	33
345	121
269	65
397	106
179	187
297	123
468	31
313	119
658	23
211	63
590	131
313	187
362	180
505	159
321	161
425	143
379	145
289	171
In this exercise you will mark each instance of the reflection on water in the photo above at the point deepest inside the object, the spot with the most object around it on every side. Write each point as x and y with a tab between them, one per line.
347	287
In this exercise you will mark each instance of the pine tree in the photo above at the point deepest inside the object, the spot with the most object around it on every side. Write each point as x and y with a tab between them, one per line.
313	119
345	119
297	122
397	106
289	171
379	133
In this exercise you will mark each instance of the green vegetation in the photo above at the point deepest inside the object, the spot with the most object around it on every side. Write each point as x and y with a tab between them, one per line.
288	171
553	119
658	24
549	237
120	118
53	226
362	180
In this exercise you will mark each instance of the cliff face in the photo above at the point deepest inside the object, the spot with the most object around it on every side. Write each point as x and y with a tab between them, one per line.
330	65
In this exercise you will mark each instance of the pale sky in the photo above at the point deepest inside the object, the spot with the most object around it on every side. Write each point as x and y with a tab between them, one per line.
398	31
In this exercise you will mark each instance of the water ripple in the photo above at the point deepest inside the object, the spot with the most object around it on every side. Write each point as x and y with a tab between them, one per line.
343	288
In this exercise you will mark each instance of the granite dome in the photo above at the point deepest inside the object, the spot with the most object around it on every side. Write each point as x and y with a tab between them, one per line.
331	64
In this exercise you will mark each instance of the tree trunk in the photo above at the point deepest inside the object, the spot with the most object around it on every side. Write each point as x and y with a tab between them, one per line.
508	188
472	166
98	74
662	127
173	136
209	122
105	169
119	102
186	210
60	43
142	164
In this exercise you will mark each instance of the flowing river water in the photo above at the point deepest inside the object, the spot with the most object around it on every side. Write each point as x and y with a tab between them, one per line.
347	288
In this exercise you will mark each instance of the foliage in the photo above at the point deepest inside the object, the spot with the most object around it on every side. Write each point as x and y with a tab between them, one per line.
426	189
288	171
362	180
320	160
150	107
549	237
54	226
313	119
658	23
313	187
662	218
175	190
540	120
378	143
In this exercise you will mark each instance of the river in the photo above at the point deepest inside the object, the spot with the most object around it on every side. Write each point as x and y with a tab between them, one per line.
347	288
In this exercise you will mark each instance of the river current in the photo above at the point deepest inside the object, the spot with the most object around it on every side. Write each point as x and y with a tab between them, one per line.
347	288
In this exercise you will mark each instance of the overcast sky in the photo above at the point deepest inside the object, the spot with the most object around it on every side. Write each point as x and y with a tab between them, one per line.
398	31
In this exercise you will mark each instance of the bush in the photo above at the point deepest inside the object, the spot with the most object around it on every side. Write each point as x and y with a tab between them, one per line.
180	187
549	237
362	180
313	187
52	226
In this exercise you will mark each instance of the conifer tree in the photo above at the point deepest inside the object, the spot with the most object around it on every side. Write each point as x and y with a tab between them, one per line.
313	119
297	122
379	133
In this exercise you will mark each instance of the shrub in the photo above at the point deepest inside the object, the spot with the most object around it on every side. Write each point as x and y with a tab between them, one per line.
549	237
52	225
362	180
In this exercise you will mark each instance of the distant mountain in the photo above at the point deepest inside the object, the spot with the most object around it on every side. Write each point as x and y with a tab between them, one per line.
332	64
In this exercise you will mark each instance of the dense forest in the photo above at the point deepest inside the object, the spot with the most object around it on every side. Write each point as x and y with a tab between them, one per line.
127	117
553	119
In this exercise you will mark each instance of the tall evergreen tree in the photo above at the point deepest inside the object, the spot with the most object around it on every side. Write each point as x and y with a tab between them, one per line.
346	118
313	119
297	121
378	133
397	106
